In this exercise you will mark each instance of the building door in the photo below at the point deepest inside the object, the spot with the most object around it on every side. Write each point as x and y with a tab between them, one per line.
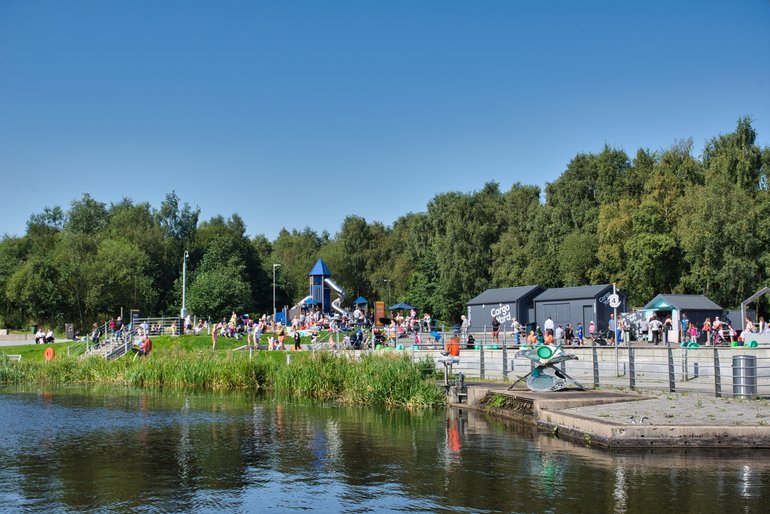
588	316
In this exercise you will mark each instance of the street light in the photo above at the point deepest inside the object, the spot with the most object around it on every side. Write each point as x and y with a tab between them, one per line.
274	266
184	285
387	283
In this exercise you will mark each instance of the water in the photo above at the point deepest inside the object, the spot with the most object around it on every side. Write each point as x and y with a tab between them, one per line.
76	449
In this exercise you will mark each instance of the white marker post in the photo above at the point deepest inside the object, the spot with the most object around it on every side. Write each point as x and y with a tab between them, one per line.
614	301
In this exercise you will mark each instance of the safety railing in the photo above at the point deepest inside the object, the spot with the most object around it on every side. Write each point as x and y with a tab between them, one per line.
723	371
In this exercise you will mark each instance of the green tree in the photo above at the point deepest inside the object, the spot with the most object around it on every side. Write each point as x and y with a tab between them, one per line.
510	257
296	252
86	216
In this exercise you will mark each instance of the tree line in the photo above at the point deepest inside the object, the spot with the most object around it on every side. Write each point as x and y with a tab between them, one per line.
658	222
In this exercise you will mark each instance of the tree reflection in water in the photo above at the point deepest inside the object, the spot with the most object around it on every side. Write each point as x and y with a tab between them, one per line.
117	449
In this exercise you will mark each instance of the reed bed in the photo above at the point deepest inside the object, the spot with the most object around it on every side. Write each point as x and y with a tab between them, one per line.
387	379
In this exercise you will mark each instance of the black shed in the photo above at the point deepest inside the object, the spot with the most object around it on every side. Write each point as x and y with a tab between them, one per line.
506	303
575	305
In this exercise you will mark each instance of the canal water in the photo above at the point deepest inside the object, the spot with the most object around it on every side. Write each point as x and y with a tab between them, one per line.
107	449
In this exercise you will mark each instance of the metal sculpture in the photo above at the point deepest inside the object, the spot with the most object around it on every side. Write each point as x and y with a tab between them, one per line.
545	376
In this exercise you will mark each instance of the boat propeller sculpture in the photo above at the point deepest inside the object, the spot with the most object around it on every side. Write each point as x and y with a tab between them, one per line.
545	376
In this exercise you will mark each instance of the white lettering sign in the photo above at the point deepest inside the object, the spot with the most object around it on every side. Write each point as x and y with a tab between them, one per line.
502	313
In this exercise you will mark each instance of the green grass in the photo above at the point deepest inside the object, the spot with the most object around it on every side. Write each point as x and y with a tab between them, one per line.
188	361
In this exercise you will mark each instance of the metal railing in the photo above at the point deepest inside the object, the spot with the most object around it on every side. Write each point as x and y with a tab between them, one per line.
722	371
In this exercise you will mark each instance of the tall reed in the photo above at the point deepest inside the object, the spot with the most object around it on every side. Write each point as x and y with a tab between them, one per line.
372	379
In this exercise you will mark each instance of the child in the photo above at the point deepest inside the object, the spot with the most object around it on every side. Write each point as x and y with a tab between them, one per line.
693	331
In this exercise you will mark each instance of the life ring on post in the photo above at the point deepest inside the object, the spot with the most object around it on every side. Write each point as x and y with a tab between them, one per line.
49	353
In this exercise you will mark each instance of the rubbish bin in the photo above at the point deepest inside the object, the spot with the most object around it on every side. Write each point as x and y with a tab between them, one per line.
745	376
34	329
69	331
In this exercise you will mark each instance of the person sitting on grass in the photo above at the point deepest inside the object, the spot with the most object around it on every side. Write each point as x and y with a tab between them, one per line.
145	347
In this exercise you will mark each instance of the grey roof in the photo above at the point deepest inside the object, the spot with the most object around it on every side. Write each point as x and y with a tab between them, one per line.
572	293
691	302
503	295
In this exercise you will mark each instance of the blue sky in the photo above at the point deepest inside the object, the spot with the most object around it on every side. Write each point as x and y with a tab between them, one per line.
298	113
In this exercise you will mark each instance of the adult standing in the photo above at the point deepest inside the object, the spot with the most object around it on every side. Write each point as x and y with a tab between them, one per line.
706	329
558	334
465	326
548	325
95	333
215	336
258	329
685	323
612	327
281	334
655	329
297	339
644	330
515	326
569	334
495	330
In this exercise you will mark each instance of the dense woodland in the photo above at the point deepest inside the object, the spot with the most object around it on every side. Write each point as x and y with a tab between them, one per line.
662	221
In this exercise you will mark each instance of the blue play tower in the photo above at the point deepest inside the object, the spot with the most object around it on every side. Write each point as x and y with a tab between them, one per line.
320	291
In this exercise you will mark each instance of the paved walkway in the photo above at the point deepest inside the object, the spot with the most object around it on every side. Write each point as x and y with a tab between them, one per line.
681	409
17	343
631	419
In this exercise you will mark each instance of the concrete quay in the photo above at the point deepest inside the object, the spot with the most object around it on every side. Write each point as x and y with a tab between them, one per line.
620	419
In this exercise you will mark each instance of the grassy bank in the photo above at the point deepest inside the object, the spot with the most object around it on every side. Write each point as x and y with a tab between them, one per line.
381	379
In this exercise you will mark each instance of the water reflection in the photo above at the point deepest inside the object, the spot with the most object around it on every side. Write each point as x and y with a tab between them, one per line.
103	448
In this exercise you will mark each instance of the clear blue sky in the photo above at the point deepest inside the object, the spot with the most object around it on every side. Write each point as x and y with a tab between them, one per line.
298	113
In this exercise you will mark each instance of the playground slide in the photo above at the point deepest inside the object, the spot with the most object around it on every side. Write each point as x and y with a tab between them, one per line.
336	303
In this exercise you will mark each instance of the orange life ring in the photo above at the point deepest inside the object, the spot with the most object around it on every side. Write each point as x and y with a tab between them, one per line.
49	353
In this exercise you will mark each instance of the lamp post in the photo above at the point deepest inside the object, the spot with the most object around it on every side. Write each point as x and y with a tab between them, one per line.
184	285
274	266
387	284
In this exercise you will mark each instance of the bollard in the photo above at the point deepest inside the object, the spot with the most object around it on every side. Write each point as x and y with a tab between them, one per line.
685	365
671	377
631	368
505	362
745	376
481	362
288	358
595	356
